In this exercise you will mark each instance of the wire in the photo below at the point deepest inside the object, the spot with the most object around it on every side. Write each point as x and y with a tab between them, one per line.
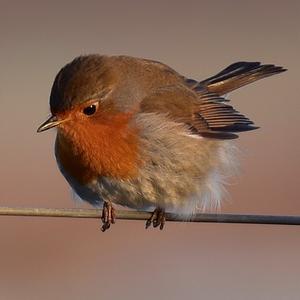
142	215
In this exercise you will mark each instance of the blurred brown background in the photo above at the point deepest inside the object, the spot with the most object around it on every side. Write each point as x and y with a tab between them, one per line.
71	259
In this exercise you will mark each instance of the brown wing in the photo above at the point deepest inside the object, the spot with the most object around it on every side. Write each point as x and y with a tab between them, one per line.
205	114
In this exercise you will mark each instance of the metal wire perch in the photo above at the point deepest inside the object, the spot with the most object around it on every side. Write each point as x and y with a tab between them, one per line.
142	215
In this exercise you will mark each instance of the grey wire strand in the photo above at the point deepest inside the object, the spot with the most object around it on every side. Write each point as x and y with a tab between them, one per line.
141	215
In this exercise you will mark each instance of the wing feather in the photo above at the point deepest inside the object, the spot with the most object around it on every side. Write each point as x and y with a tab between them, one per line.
205	114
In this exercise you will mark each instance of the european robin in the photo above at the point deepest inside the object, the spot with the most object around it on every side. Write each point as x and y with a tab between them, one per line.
134	132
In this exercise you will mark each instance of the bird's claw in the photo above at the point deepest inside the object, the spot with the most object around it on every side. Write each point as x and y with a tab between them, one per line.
108	215
158	218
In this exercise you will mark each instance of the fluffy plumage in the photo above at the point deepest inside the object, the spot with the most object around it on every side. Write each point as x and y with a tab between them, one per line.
157	138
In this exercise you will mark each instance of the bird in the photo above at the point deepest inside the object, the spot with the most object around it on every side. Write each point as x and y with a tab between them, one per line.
134	132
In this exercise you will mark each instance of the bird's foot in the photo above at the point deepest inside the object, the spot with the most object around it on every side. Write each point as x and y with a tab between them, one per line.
158	218
108	215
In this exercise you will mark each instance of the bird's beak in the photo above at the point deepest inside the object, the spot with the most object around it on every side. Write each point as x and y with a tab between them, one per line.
50	123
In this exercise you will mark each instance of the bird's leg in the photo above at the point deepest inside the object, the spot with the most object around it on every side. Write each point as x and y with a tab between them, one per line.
158	218
108	215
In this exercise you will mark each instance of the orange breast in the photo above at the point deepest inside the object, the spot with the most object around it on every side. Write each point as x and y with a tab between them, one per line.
87	150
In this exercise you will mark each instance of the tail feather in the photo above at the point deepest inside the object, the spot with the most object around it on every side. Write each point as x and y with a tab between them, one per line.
235	76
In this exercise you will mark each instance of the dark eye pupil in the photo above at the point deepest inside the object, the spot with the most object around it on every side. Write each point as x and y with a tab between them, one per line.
90	110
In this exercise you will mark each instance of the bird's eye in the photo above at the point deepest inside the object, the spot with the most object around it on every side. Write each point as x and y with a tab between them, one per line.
90	110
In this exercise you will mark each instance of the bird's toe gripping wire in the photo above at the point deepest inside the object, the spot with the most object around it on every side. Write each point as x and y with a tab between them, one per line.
158	218
108	215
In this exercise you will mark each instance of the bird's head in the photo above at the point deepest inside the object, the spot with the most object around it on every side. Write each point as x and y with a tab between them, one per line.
79	94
